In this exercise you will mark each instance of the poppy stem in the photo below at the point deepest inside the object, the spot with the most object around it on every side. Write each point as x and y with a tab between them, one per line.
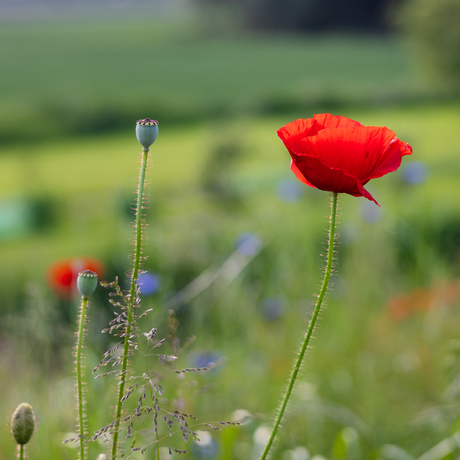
311	325
132	292
80	395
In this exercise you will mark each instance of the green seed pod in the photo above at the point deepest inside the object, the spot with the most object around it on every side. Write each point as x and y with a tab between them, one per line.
23	423
146	132
87	282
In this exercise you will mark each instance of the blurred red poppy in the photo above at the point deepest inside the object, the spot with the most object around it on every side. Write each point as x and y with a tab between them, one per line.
337	154
62	275
423	299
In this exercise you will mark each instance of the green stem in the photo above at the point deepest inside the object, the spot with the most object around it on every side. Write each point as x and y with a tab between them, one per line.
21	452
81	402
311	326
132	291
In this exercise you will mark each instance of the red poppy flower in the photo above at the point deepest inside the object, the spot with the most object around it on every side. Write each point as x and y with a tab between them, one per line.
340	155
63	274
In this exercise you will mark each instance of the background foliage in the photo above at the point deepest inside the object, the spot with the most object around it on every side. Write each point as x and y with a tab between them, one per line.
382	380
306	16
433	30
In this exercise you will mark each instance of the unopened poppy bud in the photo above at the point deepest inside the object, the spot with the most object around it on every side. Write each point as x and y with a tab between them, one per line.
87	282
23	423
146	132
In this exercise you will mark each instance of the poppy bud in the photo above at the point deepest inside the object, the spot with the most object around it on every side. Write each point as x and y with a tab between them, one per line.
87	282
23	423
146	132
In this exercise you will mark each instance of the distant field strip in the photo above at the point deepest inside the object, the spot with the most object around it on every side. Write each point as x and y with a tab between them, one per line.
89	76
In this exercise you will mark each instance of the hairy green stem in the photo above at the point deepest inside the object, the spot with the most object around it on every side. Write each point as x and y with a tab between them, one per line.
81	401
132	291
311	326
21	452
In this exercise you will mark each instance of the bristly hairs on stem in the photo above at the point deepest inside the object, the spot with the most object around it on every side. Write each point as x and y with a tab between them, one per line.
124	326
80	384
86	283
311	326
146	132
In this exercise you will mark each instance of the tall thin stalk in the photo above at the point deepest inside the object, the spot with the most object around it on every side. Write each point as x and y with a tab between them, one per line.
86	284
80	395
311	326
132	292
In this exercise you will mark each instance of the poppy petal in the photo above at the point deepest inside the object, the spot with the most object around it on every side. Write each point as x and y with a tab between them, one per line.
326	120
298	129
356	151
390	160
323	177
341	155
299	175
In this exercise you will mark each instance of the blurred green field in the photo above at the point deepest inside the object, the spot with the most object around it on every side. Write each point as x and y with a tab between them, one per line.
77	77
383	370
90	181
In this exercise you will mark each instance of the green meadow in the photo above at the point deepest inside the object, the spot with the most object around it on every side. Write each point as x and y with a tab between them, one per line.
75	77
381	379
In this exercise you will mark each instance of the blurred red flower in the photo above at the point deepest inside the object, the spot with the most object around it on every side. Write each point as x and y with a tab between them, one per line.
423	299
62	275
337	154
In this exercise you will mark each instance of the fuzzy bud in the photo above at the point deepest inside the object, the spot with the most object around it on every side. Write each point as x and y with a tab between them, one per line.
87	282
146	132
23	423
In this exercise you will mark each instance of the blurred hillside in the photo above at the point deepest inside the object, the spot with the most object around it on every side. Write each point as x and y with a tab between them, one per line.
42	9
88	76
90	67
308	16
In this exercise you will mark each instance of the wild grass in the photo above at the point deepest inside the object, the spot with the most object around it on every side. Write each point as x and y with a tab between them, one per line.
391	381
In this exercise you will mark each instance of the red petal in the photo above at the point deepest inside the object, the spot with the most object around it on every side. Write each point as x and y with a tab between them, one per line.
301	128
357	151
390	160
338	154
321	176
297	130
326	120
61	274
299	175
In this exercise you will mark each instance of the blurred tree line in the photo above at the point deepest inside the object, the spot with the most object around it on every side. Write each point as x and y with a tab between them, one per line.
433	28
74	107
308	15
